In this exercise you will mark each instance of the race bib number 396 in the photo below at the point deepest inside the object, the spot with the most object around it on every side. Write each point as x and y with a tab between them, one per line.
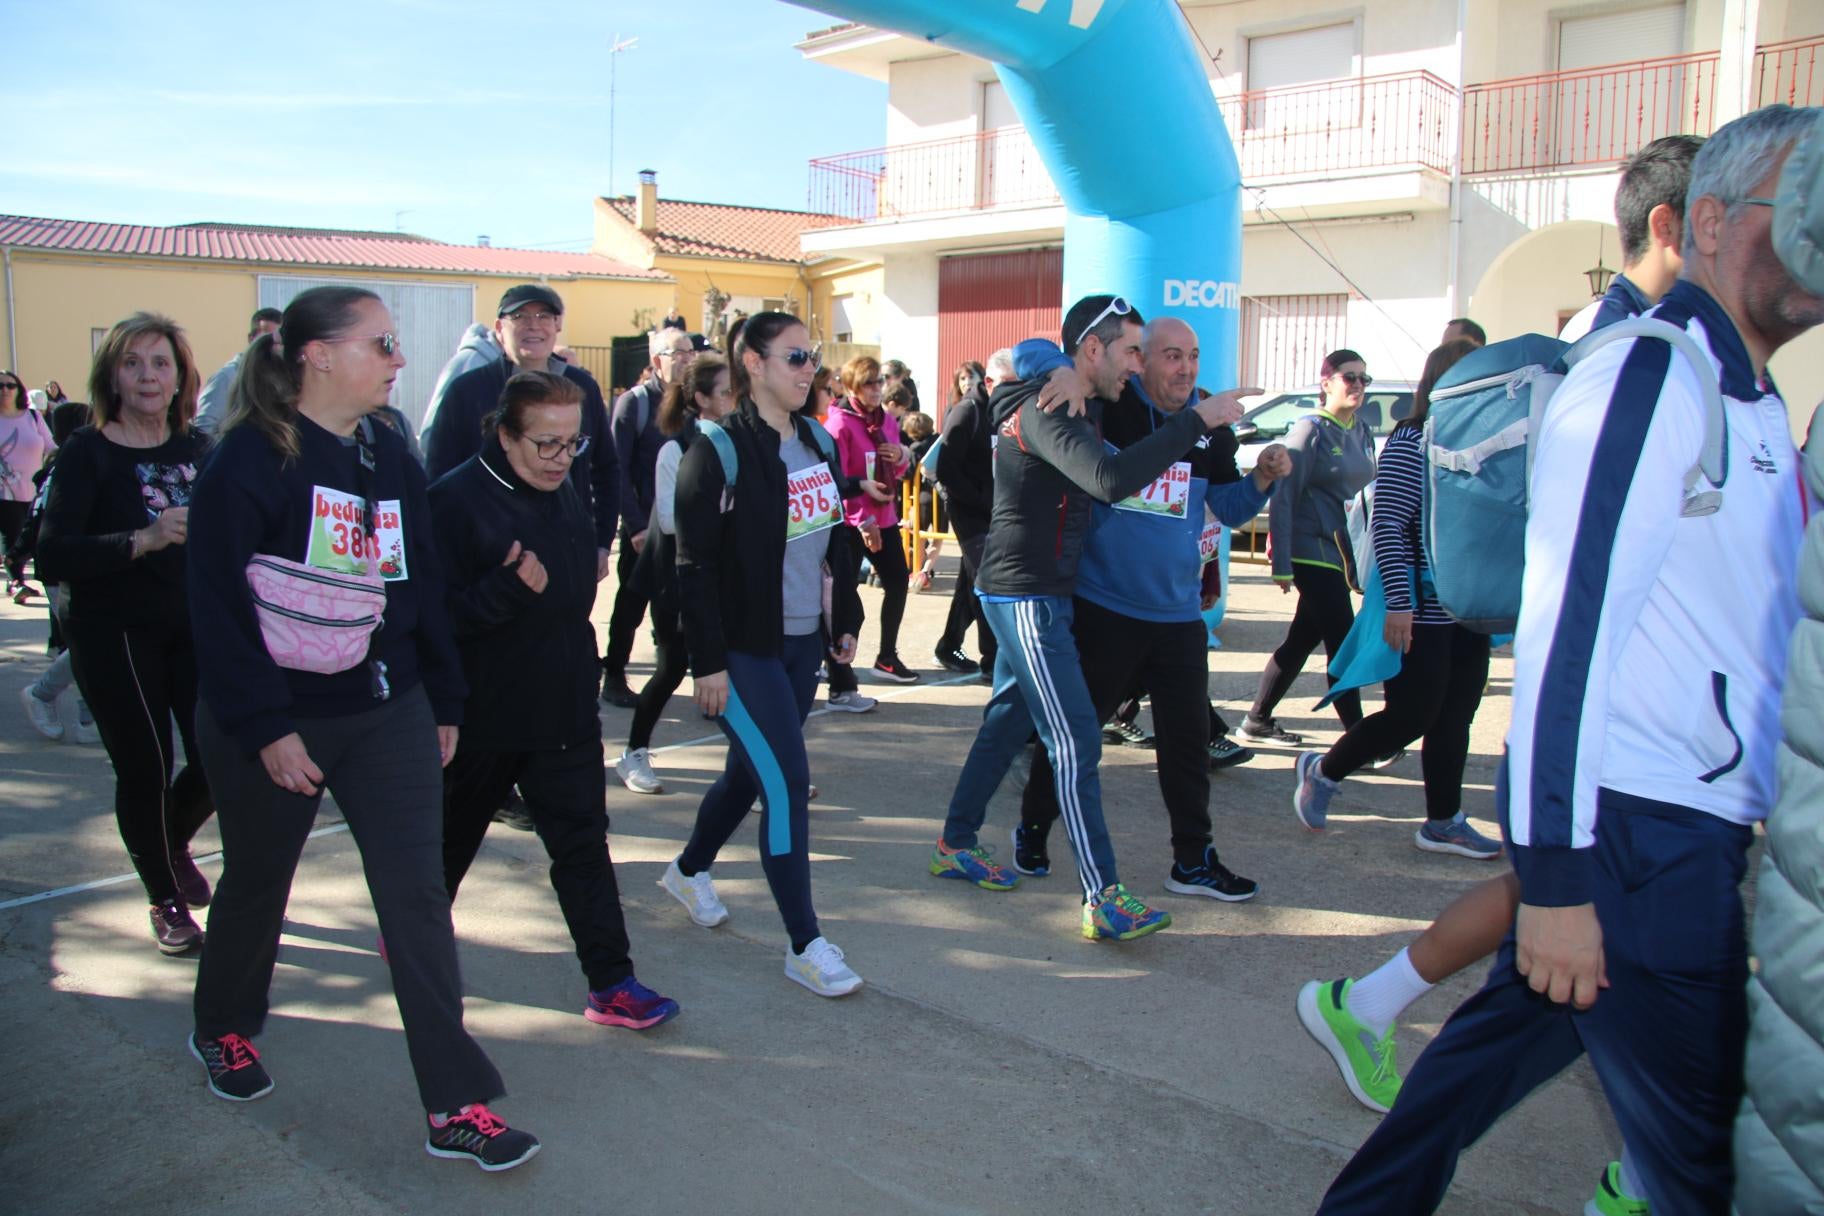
1167	496
812	503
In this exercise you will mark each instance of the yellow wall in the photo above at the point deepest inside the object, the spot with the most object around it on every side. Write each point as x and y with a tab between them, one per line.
767	280
865	283
60	298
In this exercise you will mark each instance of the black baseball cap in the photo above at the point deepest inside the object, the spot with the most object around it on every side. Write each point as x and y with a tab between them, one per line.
699	343
517	298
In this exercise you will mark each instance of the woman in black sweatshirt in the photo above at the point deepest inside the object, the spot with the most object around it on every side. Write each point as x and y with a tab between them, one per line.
303	475
114	526
518	545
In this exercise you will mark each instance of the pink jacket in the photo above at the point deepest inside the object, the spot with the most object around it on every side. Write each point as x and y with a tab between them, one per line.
852	444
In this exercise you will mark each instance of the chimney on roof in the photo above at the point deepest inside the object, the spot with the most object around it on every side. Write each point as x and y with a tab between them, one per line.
482	240
647	211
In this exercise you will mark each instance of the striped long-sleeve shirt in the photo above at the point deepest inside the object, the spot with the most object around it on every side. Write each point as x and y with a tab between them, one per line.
1399	500
1651	648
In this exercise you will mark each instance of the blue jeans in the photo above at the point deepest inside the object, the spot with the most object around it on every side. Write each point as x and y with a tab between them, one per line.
768	700
1038	684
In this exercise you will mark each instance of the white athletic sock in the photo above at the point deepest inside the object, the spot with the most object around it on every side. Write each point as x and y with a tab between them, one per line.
1378	998
1631	1184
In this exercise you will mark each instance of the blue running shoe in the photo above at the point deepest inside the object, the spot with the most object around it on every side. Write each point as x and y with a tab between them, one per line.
1311	800
630	1004
1456	836
1118	916
972	865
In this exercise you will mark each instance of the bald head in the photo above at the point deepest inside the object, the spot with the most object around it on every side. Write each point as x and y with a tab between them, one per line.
1170	357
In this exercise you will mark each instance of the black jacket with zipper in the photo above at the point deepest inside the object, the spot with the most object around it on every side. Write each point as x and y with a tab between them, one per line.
1047	467
730	561
529	657
965	465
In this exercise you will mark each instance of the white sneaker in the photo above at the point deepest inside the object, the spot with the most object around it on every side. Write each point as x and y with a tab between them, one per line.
634	768
87	732
852	702
42	714
821	969
697	894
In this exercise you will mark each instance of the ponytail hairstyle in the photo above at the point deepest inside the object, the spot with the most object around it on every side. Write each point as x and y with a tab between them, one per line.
680	404
1336	359
1437	363
104	397
757	335
524	391
265	393
737	371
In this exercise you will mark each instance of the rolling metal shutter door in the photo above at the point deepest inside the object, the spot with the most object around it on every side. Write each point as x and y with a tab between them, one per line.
1642	33
430	320
989	300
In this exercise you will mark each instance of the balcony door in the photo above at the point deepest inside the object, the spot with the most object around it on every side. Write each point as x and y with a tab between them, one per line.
1603	116
1287	75
1008	170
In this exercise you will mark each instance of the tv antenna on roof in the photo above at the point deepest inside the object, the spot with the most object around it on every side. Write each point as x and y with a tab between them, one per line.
614	51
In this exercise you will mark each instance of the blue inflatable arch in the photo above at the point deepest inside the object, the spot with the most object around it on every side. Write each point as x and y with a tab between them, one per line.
1116	98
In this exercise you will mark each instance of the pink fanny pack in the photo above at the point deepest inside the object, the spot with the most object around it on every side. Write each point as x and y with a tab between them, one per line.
314	620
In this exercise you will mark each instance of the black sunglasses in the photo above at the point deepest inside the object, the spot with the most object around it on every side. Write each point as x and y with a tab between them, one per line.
799	357
1361	378
388	342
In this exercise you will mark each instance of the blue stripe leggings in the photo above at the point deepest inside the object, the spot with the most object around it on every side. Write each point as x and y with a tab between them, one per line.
768	700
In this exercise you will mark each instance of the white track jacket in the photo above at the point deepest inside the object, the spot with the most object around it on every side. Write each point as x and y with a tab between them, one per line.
1651	646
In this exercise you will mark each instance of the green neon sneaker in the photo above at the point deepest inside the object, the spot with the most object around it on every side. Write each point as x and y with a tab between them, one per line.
1117	916
1369	1066
1611	1200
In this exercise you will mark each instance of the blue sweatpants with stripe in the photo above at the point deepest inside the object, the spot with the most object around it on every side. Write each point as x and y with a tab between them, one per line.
1666	1037
1038	684
768	701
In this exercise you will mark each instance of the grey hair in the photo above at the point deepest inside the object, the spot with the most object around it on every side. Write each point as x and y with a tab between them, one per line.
1741	153
1000	364
659	341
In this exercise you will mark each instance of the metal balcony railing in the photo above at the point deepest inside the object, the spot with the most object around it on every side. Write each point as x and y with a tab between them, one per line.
1554	121
1397	121
1593	116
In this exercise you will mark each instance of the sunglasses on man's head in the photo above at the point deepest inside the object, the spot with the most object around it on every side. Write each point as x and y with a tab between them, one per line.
1117	307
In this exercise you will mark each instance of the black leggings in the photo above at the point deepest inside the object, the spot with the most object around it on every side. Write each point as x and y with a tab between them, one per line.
966	605
673	663
1434	696
12	521
890	564
1324	614
136	681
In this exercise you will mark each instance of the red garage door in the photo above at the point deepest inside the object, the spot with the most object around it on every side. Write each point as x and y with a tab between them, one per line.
989	300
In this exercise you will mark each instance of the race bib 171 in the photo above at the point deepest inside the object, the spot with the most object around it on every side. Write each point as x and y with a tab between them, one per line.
812	503
1166	496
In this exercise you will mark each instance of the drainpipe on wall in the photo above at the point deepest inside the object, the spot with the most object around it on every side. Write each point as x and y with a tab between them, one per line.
12	332
1456	172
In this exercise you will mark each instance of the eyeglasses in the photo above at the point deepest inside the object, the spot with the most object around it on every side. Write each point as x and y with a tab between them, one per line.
531	316
1354	378
1757	202
387	342
799	357
1117	307
876	382
548	449
12	384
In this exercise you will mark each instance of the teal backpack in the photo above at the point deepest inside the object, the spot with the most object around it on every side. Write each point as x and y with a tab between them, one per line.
1479	462
724	444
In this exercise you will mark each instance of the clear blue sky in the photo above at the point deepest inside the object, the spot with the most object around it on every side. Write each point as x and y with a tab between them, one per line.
469	117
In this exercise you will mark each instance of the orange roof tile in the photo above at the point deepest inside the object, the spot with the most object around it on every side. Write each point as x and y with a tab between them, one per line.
306	247
720	230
